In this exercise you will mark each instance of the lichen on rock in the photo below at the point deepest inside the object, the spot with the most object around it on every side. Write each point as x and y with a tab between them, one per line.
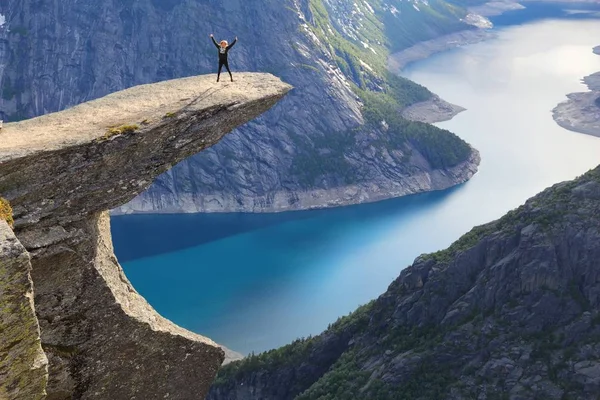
23	364
6	212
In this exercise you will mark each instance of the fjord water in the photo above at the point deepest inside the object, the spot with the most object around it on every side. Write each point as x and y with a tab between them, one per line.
255	282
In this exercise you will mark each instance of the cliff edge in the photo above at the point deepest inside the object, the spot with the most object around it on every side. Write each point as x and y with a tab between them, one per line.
61	173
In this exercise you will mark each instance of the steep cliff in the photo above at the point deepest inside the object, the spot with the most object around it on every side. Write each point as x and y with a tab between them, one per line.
23	364
314	150
61	173
509	311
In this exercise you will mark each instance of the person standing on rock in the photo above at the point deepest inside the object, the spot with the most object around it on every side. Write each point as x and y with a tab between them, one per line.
223	52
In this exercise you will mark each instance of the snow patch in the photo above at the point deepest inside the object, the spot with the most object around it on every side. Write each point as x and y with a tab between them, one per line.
2	20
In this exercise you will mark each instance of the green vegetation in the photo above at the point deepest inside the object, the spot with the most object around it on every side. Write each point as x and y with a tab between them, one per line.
308	67
349	376
170	115
120	130
353	371
363	59
440	147
6	212
341	382
333	165
294	353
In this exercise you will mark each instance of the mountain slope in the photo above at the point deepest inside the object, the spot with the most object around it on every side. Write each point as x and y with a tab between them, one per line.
313	149
510	310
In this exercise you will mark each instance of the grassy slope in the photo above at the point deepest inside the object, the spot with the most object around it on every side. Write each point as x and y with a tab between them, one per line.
360	46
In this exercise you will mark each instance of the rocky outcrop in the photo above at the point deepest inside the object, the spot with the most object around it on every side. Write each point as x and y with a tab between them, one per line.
325	48
581	113
23	364
432	111
511	310
61	173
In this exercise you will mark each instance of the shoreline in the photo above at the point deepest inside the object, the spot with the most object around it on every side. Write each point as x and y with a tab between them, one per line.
437	109
578	113
482	30
477	17
581	111
425	181
431	111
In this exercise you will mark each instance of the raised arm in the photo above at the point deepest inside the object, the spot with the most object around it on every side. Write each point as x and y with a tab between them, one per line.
214	41
232	43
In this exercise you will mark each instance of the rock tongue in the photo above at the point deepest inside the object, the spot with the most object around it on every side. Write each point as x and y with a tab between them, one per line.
61	167
61	172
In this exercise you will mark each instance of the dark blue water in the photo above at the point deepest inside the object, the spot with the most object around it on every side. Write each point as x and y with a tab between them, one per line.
254	282
257	284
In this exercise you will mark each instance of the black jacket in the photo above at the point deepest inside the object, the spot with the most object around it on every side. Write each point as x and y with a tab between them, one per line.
223	51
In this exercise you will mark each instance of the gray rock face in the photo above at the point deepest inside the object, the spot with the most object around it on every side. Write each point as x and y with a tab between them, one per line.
581	112
61	172
92	48
510	310
23	364
432	111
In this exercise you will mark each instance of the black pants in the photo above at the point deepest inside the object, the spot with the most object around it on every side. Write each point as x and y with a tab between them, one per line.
226	64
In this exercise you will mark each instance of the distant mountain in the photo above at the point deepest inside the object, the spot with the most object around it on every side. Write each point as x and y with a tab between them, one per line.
336	140
509	311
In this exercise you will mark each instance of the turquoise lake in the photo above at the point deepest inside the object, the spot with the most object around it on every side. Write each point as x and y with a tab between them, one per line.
255	282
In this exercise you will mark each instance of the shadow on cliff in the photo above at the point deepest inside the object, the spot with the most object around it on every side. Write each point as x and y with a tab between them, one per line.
146	235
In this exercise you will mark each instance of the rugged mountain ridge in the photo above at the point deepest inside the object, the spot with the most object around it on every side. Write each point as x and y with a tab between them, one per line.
509	311
61	173
314	150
